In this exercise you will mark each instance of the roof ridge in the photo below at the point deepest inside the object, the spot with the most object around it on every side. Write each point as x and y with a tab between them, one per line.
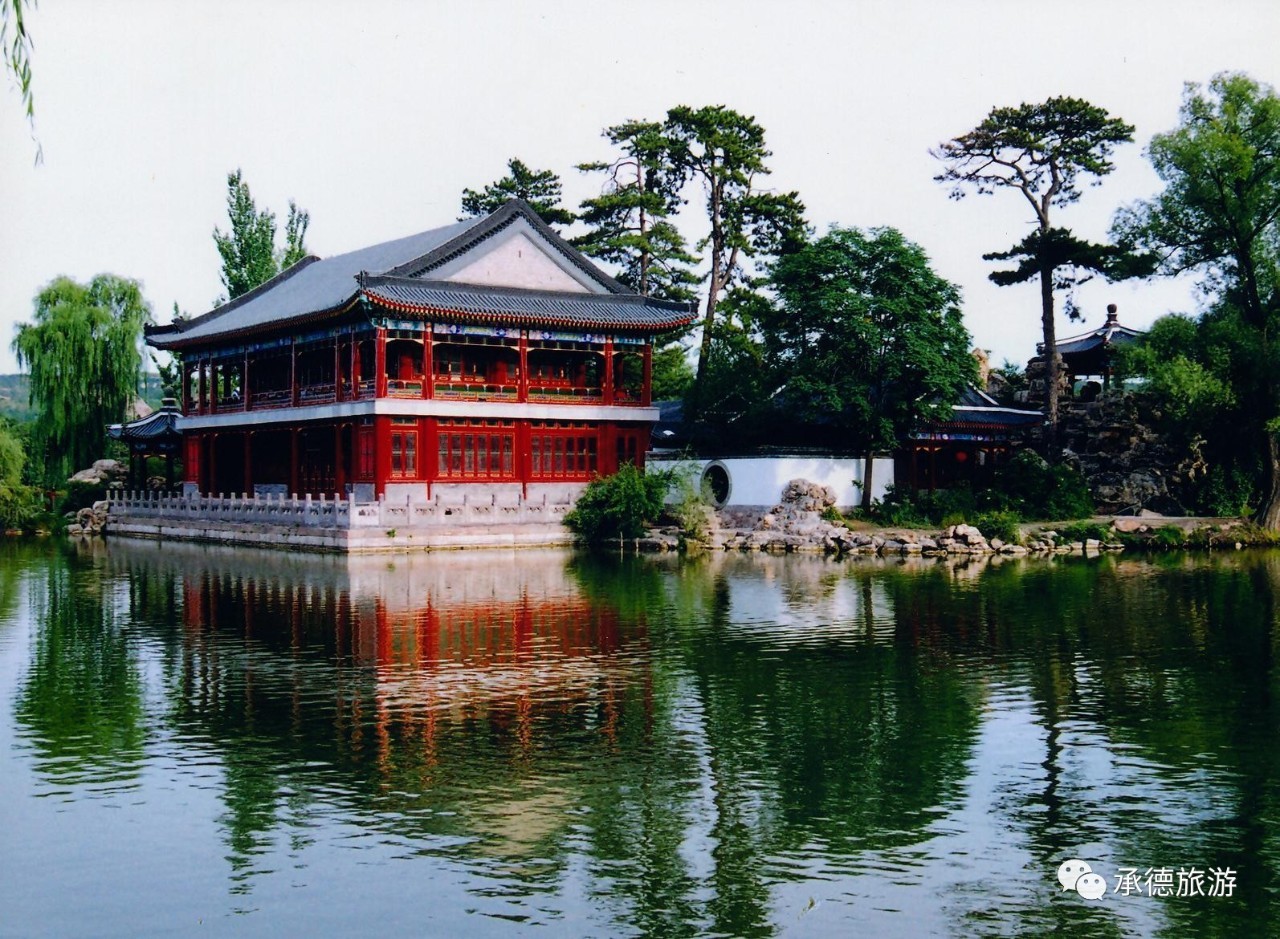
491	225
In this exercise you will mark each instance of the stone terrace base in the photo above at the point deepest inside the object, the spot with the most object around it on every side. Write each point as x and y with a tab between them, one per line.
344	540
343	525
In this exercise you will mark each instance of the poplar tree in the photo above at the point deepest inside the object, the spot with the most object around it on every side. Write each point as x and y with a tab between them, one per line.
1045	152
248	250
539	188
82	352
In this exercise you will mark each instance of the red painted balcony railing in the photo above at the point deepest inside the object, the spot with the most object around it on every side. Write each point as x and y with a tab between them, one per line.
402	388
475	391
272	398
317	394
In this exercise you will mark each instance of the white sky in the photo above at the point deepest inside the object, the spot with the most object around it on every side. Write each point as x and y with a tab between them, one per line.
374	116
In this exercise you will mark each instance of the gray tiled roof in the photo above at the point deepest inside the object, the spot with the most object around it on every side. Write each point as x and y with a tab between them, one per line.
527	307
310	286
314	288
162	423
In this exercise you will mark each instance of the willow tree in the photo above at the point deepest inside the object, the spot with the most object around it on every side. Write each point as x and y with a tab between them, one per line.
1045	152
15	50
82	352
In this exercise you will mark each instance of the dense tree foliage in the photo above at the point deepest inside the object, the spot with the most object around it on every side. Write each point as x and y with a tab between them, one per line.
867	337
540	188
1219	215
82	350
248	251
1045	152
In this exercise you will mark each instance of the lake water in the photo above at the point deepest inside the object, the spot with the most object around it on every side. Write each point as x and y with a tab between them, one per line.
204	741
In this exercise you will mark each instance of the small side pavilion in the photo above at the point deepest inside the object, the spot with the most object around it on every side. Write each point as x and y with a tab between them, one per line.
156	434
1091	354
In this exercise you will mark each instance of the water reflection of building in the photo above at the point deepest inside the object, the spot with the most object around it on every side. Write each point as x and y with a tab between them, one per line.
443	630
441	674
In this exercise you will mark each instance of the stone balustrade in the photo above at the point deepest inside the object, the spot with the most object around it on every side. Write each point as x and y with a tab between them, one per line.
333	513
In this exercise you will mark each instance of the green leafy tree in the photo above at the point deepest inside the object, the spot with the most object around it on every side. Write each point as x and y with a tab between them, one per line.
1219	215
539	188
248	251
672	373
82	351
867	337
724	153
733	400
1045	152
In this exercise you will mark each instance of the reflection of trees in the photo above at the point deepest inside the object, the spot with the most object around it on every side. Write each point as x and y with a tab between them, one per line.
1152	682
674	737
82	701
850	744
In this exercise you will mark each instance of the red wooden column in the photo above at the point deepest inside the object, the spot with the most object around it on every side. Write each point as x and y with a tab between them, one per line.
337	368
522	386
608	371
244	383
524	455
380	363
185	399
381	452
608	449
293	372
339	462
294	468
213	386
213	463
429	455
355	365
646	390
428	362
248	462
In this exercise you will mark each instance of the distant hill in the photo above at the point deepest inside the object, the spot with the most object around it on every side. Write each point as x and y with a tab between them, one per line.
15	392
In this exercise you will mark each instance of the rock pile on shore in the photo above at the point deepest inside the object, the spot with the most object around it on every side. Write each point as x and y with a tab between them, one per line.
797	524
88	521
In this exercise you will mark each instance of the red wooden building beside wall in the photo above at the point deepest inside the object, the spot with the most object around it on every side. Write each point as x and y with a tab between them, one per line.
484	355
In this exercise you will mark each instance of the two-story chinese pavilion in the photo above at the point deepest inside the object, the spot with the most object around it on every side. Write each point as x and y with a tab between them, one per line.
483	356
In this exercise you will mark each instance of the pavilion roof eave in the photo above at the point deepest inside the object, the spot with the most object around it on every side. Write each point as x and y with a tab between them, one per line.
159	337
525	308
